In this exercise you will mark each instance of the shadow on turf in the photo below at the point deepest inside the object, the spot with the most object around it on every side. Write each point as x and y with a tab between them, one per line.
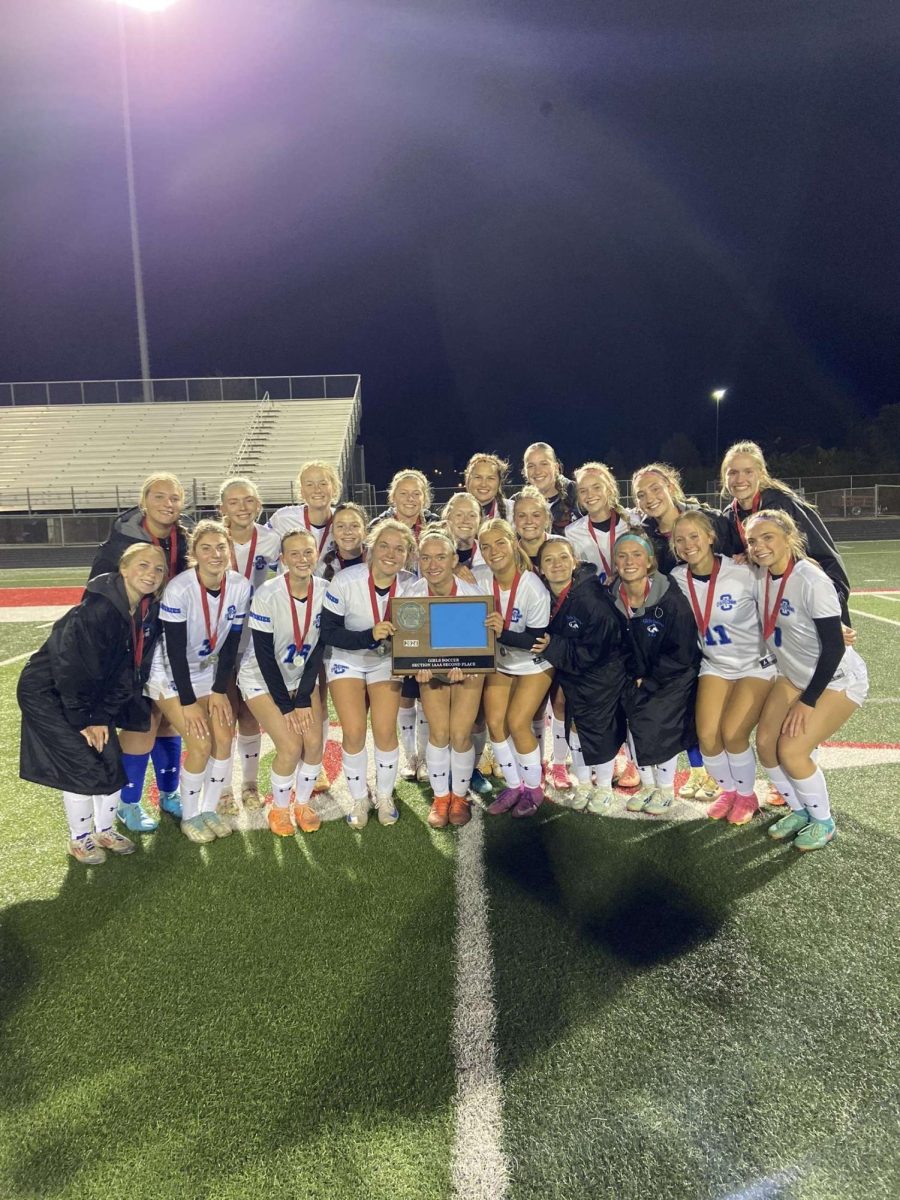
199	991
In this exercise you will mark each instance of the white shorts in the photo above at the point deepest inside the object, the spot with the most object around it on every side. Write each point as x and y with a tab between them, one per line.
365	664
250	680
854	682
161	686
732	675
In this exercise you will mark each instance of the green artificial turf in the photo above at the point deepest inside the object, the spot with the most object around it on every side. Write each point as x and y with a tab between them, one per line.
20	637
689	1010
43	576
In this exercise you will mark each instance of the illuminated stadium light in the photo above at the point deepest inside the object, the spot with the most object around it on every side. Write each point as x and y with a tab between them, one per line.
147	5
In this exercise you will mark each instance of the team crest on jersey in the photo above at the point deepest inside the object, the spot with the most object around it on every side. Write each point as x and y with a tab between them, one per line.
318	620
786	608
260	562
516	615
231	612
726	602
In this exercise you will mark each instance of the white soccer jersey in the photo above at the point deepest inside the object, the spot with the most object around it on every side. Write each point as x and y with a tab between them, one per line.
733	645
270	612
808	595
530	609
265	560
348	596
295	516
420	588
181	604
595	546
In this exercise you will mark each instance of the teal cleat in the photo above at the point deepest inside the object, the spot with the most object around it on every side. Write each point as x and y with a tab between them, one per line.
479	785
138	817
170	802
789	825
816	835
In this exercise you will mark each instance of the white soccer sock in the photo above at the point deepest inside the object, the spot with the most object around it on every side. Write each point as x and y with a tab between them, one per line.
719	767
229	770
191	787
462	764
604	774
437	759
560	745
406	728
281	790
105	811
786	787
538	728
386	764
664	773
530	766
305	781
79	813
648	779
743	770
813	795
505	758
213	783
479	741
421	731
355	768
248	748
580	769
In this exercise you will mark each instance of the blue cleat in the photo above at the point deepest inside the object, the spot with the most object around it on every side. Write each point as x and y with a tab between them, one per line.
479	785
170	802
138	817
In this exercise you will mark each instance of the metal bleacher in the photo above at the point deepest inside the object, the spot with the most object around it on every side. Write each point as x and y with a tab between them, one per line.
89	455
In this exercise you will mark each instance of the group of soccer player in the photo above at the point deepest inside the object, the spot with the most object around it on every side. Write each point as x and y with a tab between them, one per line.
637	634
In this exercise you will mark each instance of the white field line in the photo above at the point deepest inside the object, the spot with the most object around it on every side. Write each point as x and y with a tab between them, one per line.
480	1169
7	662
858	612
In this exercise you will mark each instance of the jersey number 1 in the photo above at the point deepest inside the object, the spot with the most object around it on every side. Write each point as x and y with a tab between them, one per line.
721	635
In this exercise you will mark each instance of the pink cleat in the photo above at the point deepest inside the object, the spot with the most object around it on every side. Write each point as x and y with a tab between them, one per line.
507	799
722	807
743	810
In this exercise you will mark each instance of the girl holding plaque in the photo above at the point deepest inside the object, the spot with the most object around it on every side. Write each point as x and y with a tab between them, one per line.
518	688
660	695
737	671
820	683
278	678
202	613
358	665
450	701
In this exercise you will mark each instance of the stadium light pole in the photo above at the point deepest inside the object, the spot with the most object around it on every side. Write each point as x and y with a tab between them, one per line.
718	396
140	307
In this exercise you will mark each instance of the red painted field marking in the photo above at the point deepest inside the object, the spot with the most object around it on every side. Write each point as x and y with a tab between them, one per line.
33	597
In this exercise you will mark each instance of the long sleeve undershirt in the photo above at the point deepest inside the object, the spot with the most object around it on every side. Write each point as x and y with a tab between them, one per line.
334	633
176	648
832	639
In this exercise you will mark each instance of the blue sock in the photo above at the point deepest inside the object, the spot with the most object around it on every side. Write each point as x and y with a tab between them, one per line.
135	766
166	755
695	758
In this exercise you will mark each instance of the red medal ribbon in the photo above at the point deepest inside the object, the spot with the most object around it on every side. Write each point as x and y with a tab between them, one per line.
300	638
507	616
173	545
137	632
613	521
736	509
492	510
624	598
248	570
703	621
561	598
325	531
770	617
373	597
453	593
211	637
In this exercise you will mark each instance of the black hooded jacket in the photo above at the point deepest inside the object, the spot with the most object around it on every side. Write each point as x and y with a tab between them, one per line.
84	674
588	651
128	529
727	540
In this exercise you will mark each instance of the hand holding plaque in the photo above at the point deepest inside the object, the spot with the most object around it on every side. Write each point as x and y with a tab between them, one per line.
443	634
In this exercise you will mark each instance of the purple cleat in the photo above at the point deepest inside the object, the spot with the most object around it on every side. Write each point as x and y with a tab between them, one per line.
507	799
530	802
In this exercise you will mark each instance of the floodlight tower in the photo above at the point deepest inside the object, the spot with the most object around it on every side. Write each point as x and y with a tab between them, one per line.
718	396
143	344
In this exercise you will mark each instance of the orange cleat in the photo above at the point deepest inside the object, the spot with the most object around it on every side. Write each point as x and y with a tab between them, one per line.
307	818
460	811
280	821
439	815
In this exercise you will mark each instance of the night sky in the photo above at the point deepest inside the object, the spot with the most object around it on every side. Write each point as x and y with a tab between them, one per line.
567	220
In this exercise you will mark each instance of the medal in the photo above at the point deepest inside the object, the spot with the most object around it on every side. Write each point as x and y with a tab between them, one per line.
212	636
326	529
702	619
738	519
251	557
383	647
613	521
173	545
300	638
770	617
